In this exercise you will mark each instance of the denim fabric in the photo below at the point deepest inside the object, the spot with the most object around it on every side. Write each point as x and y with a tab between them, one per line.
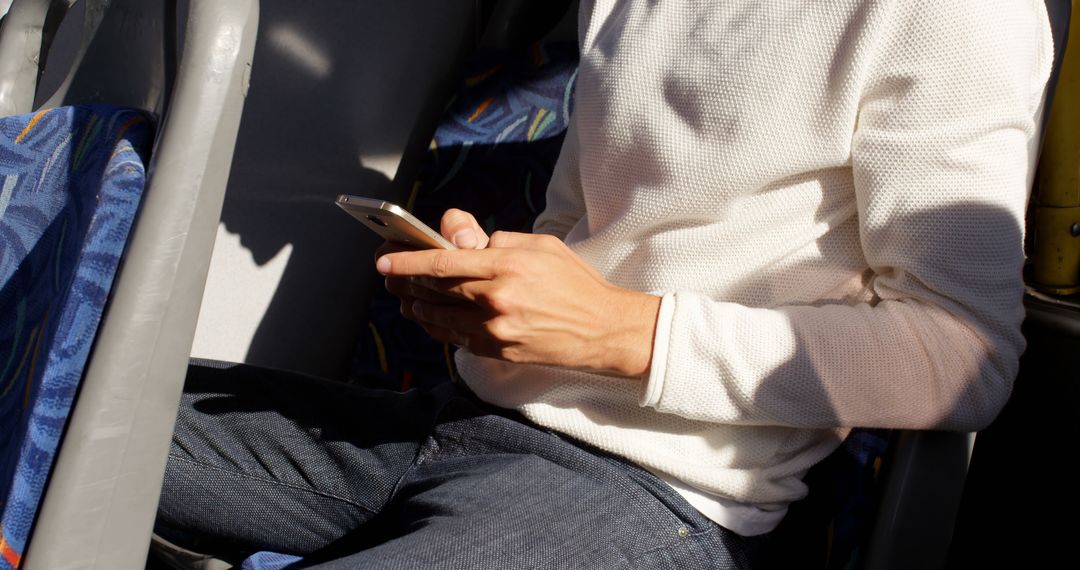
357	478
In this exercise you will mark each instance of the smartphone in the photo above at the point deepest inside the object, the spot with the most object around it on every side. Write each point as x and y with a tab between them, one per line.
392	222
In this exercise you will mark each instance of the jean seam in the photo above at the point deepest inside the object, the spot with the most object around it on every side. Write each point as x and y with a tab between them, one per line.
274	482
632	562
405	473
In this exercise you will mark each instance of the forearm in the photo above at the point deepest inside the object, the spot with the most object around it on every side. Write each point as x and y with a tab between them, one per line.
896	365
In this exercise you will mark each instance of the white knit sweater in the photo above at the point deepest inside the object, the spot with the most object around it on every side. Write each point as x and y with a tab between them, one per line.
828	195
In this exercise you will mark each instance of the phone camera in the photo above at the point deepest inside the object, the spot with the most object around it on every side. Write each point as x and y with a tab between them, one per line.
377	221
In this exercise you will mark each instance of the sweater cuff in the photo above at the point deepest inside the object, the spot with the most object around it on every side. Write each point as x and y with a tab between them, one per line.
654	381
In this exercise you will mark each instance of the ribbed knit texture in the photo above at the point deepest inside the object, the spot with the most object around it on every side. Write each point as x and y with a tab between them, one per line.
830	198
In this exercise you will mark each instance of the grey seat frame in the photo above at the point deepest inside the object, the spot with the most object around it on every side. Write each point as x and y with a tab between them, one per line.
98	509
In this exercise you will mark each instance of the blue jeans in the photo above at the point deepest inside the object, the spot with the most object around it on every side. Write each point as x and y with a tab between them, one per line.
356	478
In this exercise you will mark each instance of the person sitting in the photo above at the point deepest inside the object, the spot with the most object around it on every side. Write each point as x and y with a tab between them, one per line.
770	222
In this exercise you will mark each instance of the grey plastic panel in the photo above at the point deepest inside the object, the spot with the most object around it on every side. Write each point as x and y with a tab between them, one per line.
25	38
20	52
120	59
920	501
99	508
1013	498
342	90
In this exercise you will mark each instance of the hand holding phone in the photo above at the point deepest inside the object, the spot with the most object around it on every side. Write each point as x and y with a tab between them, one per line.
393	222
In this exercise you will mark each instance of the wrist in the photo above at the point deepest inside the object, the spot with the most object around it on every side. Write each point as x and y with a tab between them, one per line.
625	344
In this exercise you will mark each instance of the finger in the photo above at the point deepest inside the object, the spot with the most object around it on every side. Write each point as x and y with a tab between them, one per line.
406	288
460	264
462	320
446	335
456	290
462	229
440	334
437	332
390	247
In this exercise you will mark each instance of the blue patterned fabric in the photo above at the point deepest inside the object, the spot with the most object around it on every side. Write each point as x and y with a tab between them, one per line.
70	183
492	154
269	561
495	149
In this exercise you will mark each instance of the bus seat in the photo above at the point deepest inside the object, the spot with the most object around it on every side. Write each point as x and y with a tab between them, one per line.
189	69
73	178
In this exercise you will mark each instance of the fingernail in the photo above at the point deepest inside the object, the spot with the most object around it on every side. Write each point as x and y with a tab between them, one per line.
383	265
465	239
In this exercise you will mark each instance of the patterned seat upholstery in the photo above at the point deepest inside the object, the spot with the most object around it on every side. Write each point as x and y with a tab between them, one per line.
71	180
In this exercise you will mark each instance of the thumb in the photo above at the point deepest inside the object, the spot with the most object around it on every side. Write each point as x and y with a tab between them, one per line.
462	229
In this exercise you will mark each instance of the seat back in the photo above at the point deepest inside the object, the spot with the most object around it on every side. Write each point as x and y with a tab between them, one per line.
190	69
72	178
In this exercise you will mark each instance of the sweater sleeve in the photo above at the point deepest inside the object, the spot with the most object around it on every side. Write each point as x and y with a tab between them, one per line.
941	158
565	204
